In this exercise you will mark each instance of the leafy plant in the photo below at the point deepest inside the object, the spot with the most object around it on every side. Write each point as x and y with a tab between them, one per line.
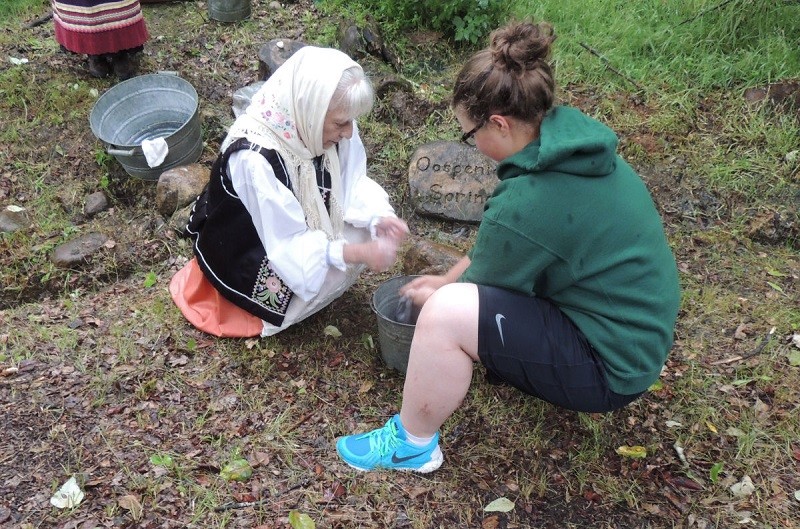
463	20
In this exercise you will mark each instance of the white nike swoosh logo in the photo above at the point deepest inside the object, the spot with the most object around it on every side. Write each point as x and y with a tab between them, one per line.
498	318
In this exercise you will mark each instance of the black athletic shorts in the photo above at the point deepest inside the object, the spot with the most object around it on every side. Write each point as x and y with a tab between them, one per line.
529	343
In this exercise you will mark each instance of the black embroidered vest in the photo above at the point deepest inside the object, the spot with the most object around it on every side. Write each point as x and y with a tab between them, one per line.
226	243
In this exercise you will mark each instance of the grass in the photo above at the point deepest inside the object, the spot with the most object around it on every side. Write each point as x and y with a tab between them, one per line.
123	378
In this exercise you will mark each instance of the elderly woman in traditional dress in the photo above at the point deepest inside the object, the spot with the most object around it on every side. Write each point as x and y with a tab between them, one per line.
109	32
289	218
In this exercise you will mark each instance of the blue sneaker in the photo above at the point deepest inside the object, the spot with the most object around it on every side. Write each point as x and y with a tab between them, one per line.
387	448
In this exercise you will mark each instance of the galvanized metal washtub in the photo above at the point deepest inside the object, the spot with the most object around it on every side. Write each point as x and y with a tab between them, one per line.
148	107
229	10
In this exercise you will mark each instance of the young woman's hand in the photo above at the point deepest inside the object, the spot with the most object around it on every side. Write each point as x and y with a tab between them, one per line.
421	288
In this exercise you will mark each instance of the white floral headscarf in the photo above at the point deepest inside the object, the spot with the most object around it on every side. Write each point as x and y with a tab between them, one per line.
287	114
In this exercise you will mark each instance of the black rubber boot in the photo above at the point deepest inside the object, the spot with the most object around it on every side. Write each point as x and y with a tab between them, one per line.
124	65
98	66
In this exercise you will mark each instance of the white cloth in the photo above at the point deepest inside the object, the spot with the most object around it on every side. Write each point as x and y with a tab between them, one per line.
310	265
155	151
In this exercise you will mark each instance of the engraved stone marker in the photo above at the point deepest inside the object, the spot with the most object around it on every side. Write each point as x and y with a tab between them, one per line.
451	180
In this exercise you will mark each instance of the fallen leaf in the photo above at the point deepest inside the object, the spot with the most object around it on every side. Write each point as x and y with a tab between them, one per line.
366	386
713	474
68	496
500	505
131	504
332	331
176	361
744	488
236	470
735	432
592	496
261	458
683	482
711	426
301	521
775	286
794	358
491	522
636	452
162	460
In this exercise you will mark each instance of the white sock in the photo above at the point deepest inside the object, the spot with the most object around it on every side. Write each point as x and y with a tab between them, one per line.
418	441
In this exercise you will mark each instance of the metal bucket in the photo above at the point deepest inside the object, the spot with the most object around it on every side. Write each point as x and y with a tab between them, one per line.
394	337
229	10
147	107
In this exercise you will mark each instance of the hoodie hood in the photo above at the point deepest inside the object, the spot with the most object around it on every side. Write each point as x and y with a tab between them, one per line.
569	142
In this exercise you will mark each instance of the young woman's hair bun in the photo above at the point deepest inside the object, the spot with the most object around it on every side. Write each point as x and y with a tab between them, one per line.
521	46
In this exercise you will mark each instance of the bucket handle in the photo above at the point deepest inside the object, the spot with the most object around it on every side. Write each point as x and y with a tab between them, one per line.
120	152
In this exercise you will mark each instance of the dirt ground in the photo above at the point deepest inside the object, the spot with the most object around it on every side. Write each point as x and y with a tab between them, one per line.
115	379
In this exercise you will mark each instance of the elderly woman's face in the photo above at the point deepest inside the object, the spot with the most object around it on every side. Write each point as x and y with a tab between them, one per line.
337	125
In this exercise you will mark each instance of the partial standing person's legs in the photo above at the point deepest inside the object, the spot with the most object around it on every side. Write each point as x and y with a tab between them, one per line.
439	373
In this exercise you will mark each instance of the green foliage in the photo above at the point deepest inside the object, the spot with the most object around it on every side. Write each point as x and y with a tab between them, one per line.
21	7
463	20
679	44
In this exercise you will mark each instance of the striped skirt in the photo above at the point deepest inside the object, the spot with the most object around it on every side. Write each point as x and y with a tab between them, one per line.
95	27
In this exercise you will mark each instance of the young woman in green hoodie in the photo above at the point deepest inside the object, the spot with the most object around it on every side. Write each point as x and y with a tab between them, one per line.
570	292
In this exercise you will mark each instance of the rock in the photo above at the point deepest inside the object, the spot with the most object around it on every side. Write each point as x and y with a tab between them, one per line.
351	41
428	257
79	250
451	180
244	96
274	53
179	186
777	227
359	42
398	104
180	219
13	218
275	5
95	203
782	95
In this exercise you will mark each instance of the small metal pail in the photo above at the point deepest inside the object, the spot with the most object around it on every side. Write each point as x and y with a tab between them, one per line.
148	107
229	10
394	337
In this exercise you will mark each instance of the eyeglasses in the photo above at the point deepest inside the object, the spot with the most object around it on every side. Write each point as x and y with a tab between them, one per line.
469	137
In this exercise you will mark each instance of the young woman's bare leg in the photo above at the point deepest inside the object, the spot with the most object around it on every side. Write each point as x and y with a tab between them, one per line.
443	351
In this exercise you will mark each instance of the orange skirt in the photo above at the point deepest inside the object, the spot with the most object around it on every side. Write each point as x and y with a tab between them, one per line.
206	309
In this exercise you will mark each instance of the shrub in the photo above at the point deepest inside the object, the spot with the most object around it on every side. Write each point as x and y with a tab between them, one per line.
463	20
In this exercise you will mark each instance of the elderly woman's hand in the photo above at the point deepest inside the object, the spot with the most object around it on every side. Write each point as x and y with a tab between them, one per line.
392	228
379	255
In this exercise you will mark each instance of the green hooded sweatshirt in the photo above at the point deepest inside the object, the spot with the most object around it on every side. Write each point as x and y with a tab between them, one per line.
571	222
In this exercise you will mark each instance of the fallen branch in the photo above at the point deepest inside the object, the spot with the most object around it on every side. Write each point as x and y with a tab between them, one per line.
39	20
752	353
300	421
703	12
608	65
243	504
